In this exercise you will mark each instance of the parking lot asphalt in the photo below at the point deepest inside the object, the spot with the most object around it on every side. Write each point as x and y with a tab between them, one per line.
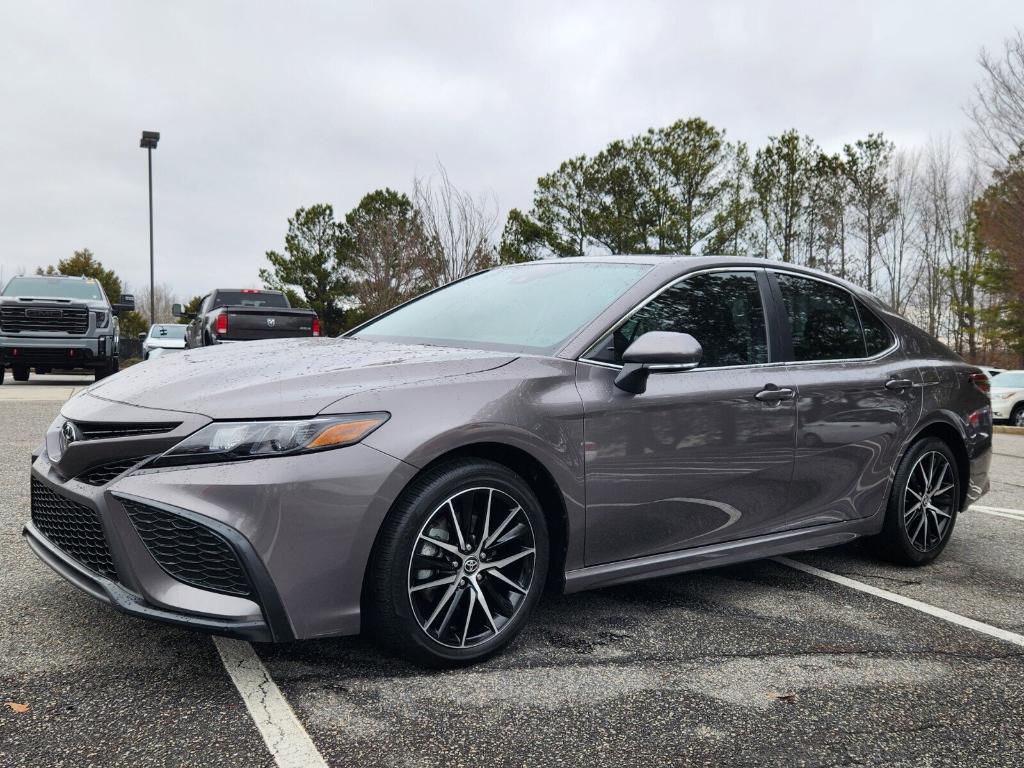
757	664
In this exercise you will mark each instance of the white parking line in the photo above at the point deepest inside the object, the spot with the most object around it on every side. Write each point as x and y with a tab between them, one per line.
1013	514
288	742
917	605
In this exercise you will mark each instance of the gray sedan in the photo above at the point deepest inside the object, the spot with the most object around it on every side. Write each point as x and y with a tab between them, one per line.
563	424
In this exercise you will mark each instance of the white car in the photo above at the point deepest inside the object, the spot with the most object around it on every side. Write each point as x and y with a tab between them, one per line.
1008	397
164	337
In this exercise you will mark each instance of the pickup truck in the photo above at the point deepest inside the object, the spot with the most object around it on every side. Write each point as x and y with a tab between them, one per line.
244	314
53	322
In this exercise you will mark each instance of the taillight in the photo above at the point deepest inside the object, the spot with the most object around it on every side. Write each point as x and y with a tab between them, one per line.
222	323
316	326
981	382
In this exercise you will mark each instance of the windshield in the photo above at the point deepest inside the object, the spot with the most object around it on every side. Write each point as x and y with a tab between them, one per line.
54	288
530	308
249	298
167	332
1009	379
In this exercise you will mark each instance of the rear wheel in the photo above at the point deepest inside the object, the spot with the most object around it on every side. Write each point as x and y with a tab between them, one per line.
459	564
20	372
923	504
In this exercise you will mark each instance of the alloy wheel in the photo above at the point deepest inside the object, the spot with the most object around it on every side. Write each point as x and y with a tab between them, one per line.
1018	417
929	501
471	567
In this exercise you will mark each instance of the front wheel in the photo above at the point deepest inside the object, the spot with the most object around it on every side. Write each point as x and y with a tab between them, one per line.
20	372
459	564
923	504
1017	415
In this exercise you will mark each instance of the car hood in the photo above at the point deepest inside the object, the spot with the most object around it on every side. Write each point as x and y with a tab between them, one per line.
284	377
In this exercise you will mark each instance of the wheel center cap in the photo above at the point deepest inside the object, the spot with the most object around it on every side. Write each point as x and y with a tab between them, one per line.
471	565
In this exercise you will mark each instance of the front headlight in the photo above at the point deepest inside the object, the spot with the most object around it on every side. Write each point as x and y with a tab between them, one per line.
1004	395
101	319
239	440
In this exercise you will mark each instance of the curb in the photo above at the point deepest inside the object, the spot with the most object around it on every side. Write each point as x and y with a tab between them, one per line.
1007	429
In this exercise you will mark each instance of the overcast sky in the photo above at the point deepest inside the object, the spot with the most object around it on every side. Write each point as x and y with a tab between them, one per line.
267	107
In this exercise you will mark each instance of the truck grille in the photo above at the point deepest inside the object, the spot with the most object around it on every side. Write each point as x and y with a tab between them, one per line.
188	551
71	320
73	528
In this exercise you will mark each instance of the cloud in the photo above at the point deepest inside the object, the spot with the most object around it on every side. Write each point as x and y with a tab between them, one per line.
263	108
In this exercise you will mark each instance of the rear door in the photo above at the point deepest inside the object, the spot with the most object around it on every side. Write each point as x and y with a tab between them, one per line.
698	458
858	396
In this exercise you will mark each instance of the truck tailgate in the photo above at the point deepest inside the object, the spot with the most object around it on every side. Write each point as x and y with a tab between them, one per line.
248	323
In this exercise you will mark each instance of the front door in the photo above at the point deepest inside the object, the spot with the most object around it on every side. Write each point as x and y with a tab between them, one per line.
699	457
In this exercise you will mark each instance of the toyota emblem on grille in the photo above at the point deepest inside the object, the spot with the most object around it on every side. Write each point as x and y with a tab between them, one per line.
68	435
271	321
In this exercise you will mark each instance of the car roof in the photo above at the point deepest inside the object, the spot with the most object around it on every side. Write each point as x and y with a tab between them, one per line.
668	266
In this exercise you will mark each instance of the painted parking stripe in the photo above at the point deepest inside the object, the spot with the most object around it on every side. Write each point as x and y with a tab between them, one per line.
288	742
917	605
999	511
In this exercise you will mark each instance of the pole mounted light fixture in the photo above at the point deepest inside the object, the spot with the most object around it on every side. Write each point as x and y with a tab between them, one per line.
148	143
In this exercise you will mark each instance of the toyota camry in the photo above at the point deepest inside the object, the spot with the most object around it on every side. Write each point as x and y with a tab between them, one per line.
563	424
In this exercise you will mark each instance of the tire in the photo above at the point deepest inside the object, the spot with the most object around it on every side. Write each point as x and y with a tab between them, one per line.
3	371
1017	415
917	538
42	371
20	372
473	614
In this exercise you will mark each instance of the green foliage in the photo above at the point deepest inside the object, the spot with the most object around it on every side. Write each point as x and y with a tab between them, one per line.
131	324
84	263
192	307
523	239
781	178
383	246
312	265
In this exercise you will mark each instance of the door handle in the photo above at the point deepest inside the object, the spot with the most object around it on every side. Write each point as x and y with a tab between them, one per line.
772	394
899	384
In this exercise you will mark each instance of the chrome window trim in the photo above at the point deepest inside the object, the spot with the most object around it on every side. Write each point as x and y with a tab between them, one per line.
655	294
778	270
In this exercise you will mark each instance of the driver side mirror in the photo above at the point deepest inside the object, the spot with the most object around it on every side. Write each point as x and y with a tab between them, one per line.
126	304
179	311
142	337
656	352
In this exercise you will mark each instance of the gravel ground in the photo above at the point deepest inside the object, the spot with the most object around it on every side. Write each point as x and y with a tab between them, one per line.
750	665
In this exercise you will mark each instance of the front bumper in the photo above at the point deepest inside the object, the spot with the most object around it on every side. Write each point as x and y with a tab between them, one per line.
58	352
301	527
128	602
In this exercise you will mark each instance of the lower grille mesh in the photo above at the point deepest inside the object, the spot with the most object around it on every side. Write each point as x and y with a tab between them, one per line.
73	528
189	551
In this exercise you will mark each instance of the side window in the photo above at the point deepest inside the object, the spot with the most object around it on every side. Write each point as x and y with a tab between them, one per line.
877	336
722	310
822	319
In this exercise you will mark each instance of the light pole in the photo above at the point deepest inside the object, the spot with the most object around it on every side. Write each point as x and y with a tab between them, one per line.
148	143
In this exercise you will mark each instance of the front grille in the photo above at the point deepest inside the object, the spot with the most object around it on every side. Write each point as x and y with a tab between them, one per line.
95	430
73	528
189	551
104	473
74	320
